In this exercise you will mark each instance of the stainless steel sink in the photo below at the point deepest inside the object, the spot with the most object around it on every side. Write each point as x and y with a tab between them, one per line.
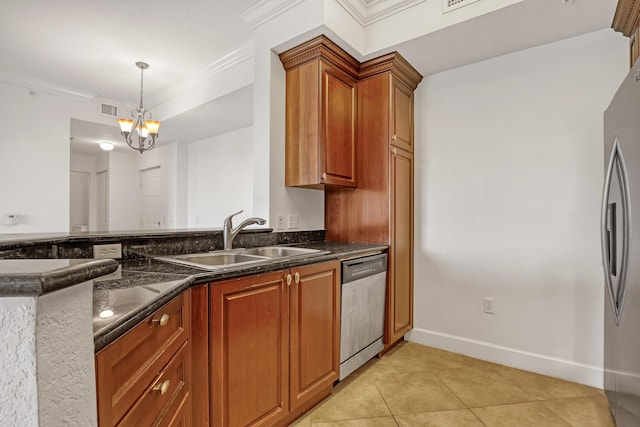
279	251
213	260
237	257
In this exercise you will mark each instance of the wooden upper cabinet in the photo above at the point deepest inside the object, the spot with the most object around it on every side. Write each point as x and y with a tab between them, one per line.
320	115
627	21
401	80
402	115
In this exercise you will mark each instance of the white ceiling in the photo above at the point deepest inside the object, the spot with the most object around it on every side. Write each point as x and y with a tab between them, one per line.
92	46
523	25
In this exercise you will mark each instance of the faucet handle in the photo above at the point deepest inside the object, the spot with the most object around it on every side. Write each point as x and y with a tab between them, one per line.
228	219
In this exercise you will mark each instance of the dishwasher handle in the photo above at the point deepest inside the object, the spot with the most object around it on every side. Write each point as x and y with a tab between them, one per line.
355	269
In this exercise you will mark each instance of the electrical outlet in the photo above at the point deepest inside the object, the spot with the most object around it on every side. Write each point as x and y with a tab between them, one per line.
293	221
280	222
107	251
489	305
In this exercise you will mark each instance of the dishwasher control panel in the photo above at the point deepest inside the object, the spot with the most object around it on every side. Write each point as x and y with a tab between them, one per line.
358	268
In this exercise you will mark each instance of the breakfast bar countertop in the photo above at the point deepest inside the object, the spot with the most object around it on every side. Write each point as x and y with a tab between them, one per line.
36	277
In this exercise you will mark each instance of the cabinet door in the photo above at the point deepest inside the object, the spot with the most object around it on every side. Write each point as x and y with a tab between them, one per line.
401	115
339	127
400	289
249	350
314	304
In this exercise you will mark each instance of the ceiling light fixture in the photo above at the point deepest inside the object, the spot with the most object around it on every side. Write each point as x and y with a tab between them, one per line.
106	146
147	129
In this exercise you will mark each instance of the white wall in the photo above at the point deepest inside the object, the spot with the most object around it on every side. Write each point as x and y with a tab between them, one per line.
220	178
509	166
270	195
34	165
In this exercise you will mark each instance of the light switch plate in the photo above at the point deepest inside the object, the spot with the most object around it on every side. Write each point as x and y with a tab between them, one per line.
292	221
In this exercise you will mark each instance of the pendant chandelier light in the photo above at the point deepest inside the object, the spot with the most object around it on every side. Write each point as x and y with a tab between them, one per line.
146	128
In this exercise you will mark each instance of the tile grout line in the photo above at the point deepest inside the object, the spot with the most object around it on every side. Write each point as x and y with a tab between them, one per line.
458	397
375	383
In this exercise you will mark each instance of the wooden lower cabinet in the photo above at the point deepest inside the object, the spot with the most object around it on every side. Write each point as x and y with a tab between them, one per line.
144	377
274	342
314	331
249	351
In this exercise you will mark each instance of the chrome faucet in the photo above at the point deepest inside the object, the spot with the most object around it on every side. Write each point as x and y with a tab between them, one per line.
229	233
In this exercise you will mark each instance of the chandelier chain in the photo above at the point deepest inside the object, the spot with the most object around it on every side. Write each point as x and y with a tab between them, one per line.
141	83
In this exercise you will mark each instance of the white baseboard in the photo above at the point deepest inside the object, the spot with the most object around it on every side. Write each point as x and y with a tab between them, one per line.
538	363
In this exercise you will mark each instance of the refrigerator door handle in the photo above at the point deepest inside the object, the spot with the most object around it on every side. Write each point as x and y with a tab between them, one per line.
611	243
608	231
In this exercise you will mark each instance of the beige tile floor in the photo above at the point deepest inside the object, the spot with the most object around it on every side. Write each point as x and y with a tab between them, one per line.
414	385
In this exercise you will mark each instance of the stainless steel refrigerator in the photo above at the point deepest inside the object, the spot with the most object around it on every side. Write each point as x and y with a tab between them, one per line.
621	251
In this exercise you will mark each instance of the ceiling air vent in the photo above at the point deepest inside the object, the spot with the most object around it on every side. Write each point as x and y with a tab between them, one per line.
449	5
109	110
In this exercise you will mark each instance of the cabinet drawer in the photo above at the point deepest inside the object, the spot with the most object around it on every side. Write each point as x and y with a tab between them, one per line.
129	365
171	385
179	414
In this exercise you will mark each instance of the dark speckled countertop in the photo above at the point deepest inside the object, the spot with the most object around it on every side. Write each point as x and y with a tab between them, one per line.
140	287
35	277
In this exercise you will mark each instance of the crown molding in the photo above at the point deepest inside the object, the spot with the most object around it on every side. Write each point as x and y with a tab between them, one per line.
242	53
45	86
320	47
369	11
626	17
266	10
395	64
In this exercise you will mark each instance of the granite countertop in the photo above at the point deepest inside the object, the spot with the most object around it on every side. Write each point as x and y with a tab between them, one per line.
36	277
140	287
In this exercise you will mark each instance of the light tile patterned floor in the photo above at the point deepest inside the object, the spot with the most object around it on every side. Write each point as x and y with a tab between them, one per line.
414	385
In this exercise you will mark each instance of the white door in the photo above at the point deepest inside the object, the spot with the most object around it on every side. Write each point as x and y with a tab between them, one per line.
102	207
152	200
79	201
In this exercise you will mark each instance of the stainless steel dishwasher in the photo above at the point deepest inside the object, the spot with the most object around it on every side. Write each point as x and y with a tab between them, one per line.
364	283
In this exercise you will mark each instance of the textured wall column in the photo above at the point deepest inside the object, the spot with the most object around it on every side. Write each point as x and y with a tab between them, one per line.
18	385
47	373
65	357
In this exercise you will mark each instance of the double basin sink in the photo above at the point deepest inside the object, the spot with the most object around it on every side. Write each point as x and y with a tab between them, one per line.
236	257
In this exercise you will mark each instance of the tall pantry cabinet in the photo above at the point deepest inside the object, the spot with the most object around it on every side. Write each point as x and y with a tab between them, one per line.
380	209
